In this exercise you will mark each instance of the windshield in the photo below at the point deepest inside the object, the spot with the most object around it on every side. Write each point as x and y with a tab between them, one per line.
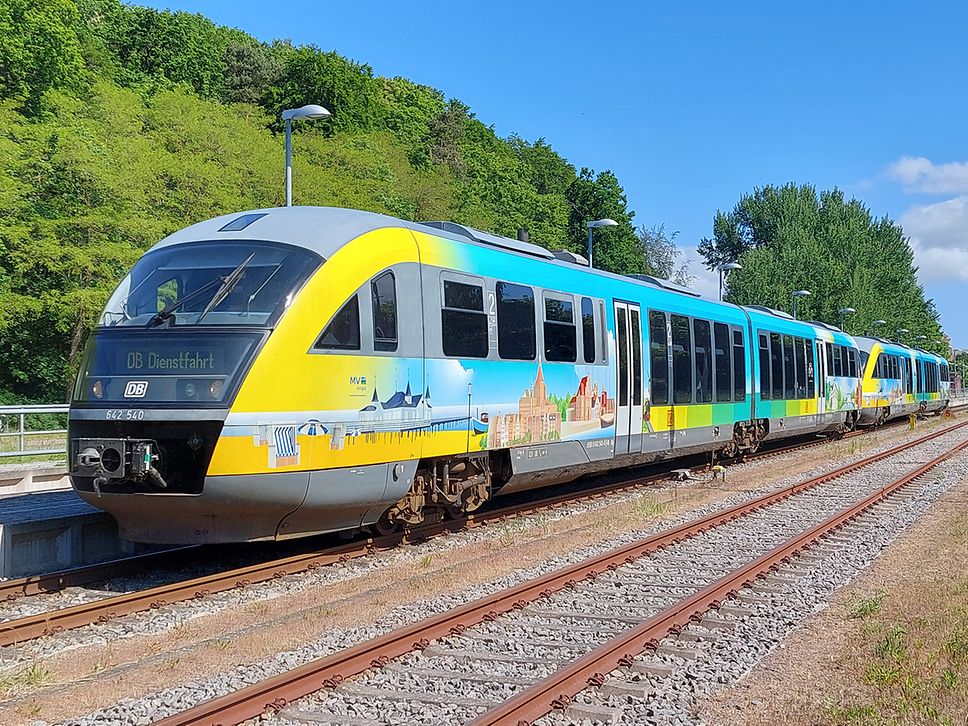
210	283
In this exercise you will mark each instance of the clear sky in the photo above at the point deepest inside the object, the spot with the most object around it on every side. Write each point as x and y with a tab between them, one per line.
692	104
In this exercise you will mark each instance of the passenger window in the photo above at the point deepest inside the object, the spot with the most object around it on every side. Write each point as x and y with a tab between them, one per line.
383	294
604	330
853	363
838	371
765	384
704	373
800	349
811	379
463	323
516	330
635	331
789	368
724	382
776	365
560	332
343	331
588	329
681	360
739	367
658	358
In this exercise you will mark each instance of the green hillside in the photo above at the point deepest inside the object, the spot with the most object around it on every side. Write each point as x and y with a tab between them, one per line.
120	124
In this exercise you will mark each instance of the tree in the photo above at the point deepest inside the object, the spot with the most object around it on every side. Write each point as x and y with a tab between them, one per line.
662	255
591	197
250	69
790	238
39	50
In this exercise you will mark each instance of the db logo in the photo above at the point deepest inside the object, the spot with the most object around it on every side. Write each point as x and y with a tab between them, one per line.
136	389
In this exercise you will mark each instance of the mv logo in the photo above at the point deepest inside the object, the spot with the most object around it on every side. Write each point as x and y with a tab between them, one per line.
357	380
136	389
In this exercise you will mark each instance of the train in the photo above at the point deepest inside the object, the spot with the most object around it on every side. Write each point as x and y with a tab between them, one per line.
291	371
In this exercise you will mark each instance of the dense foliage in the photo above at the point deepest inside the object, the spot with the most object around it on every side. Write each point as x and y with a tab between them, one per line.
120	124
792	238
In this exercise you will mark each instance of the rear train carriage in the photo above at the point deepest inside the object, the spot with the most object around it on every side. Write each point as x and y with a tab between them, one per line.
934	382
290	371
900	381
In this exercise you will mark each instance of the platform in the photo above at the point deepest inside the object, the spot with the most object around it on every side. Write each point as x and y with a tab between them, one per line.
53	531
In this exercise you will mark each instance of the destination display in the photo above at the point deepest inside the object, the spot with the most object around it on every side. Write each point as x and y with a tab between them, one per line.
163	366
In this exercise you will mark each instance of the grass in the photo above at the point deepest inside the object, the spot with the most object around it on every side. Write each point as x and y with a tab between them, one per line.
33	676
907	660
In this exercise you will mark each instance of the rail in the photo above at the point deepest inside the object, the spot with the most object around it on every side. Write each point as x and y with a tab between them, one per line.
33	434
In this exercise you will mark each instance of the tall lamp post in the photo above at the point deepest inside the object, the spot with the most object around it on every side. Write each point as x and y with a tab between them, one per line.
723	268
900	333
874	324
798	294
311	112
594	225
844	312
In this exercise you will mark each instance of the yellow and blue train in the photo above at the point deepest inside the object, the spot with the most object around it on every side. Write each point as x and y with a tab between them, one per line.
284	372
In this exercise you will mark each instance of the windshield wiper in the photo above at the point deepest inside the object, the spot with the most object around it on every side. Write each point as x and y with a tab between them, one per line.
169	309
228	282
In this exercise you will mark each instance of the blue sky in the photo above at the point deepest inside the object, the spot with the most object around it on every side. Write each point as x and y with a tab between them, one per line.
693	104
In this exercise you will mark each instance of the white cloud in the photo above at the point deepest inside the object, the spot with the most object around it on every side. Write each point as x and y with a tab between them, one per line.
939	235
919	174
706	283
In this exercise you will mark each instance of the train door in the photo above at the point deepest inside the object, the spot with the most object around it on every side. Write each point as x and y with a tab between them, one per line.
822	377
628	410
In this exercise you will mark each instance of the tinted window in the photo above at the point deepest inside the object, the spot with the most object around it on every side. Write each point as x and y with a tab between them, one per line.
463	324
789	368
800	349
383	295
853	363
681	359
739	367
588	329
658	357
343	331
837	369
765	378
776	365
621	327
515	321
704	373
811	383
636	334
560	332
724	376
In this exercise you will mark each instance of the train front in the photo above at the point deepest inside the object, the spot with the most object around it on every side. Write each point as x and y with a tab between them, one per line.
157	379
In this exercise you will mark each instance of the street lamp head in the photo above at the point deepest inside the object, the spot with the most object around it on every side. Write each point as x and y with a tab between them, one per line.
310	111
602	223
729	266
801	293
879	322
903	331
922	337
846	311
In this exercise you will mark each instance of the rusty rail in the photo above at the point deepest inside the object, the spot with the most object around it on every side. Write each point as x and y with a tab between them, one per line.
330	671
558	689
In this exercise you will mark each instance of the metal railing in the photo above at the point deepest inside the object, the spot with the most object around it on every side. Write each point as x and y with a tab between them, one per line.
29	428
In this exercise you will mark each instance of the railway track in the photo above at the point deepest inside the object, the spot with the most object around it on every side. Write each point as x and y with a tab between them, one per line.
102	610
561	633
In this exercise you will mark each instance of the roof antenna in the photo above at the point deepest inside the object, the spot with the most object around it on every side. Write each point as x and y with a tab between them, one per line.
523	234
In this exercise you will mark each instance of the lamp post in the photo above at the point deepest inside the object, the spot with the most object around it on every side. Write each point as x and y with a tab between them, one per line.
874	324
593	225
921	339
843	315
311	112
723	268
797	294
900	333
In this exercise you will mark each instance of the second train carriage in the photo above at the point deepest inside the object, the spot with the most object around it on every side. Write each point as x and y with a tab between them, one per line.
290	371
